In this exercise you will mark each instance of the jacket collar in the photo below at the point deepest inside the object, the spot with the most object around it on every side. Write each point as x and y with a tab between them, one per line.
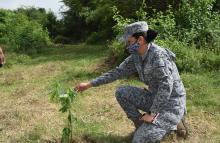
146	52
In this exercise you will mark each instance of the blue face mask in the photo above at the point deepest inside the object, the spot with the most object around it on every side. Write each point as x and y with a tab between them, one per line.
133	48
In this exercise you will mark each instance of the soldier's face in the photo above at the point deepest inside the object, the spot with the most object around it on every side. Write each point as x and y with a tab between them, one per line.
136	46
132	45
142	43
131	40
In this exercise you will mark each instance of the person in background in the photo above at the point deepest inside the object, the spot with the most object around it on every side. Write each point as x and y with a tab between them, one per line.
164	102
2	57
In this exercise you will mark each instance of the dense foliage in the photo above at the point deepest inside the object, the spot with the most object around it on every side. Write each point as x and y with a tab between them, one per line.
190	28
46	19
93	19
21	34
192	31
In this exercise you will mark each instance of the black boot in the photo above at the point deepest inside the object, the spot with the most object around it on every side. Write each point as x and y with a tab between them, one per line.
182	129
138	123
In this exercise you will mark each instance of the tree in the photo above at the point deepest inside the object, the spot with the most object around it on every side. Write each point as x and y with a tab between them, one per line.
47	19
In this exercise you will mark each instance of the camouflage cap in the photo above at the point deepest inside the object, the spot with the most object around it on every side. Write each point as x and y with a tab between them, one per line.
140	26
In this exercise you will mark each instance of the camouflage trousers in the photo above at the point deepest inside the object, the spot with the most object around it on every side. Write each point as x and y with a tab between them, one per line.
132	99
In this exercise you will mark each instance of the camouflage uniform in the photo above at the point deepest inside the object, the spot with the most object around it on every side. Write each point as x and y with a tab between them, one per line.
165	94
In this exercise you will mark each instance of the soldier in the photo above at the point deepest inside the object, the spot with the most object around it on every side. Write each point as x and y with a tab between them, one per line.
164	102
2	57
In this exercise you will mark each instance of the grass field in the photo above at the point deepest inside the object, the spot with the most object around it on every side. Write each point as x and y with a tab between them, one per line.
28	115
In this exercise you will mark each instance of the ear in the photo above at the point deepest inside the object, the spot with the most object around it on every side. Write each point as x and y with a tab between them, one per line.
141	40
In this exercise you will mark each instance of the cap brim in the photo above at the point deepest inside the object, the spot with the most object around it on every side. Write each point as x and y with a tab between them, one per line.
124	38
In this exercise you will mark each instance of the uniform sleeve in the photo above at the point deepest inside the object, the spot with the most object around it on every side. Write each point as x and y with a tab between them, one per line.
162	75
126	68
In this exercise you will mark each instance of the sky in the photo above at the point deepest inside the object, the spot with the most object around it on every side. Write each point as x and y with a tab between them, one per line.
53	5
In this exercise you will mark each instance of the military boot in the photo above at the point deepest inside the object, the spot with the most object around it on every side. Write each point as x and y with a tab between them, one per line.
138	123
182	129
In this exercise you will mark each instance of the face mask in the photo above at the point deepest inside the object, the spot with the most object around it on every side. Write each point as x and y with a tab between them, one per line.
132	49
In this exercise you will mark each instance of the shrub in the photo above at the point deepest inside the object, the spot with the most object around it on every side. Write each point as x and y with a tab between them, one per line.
190	59
198	23
95	38
182	41
22	35
62	39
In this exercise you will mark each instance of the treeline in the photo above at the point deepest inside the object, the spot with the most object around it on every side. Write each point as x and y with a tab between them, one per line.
24	30
92	20
190	28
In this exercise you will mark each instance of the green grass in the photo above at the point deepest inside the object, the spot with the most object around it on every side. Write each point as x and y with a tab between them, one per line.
27	114
203	91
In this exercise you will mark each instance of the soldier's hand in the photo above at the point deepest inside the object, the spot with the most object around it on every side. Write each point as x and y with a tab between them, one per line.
147	118
82	86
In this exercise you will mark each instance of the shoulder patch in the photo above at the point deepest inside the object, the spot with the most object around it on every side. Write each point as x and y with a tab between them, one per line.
158	60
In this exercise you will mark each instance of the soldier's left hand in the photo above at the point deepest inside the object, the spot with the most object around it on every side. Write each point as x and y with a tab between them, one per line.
147	118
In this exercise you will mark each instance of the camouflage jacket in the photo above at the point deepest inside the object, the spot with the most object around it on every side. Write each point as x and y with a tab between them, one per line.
157	70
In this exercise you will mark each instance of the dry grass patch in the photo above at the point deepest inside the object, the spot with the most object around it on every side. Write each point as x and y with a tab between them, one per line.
27	115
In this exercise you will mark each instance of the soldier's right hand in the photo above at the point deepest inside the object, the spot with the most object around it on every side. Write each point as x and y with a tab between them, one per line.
82	86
